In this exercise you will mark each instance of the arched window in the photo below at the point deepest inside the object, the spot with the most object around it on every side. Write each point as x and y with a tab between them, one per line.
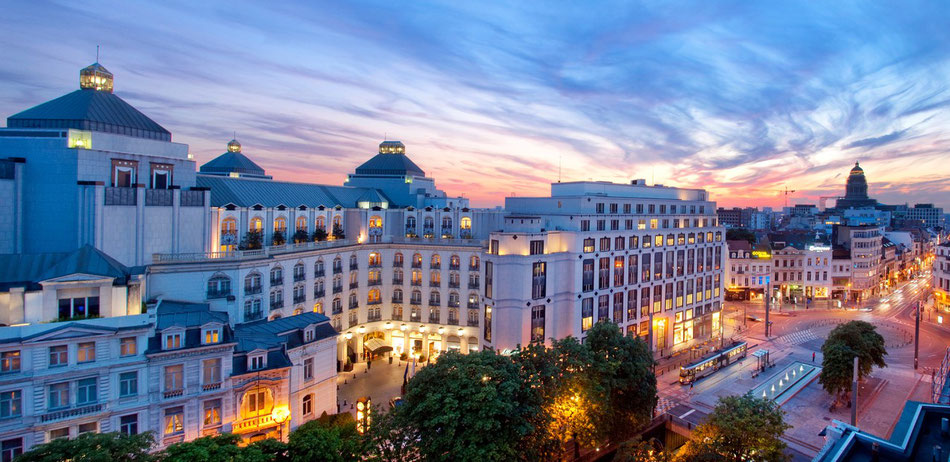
375	222
219	286
318	307
354	264
446	223
276	275
337	264
453	299
306	405
256	225
337	305
321	223
337	221
466	223
397	295
318	269
397	259
473	263
410	223
300	273
252	310
417	260
454	262
416	297
280	224
435	278
302	223
473	300
436	261
435	298
256	402
373	297
397	275
428	223
375	259
252	283
354	302
228	226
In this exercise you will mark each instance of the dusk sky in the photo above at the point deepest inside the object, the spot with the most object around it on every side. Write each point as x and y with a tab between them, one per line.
742	98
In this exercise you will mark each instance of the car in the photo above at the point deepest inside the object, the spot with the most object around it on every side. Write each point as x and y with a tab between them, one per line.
753	318
395	402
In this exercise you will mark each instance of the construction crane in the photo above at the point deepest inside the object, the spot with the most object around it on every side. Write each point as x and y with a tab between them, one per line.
786	191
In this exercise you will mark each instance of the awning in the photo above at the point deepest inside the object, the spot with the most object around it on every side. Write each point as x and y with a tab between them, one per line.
377	345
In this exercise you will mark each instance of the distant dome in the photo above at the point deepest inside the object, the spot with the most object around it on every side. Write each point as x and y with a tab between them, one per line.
857	170
233	163
234	146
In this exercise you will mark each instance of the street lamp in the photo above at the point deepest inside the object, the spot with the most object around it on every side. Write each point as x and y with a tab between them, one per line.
280	415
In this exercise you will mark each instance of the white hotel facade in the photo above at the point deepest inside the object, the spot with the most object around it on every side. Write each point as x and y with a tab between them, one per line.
397	265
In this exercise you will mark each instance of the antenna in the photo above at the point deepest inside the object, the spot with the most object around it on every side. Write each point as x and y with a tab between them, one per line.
558	168
97	53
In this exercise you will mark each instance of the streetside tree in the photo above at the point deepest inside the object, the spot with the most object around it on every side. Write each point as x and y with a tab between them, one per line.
205	449
94	447
388	439
740	428
854	338
327	439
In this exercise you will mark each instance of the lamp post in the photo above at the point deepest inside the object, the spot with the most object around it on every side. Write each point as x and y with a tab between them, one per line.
280	415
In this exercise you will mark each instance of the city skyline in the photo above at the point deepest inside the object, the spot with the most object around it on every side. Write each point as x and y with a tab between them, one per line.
495	102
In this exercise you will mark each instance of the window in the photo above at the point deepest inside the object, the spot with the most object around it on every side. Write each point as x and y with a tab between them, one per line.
618	307
128	384
58	433
11	448
58	395
489	289
58	355
211	371
537	248
86	352
588	245
487	331
538	280
81	307
173	341
257	362
585	225
537	323
174	377
308	369
11	404
212	412
219	286
603	308
161	175
587	314
127	346
90	427
174	420
212	335
307	405
123	173
587	283
256	401
129	424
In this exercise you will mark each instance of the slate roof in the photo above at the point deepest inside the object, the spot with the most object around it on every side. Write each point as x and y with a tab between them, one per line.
19	270
232	162
389	164
90	110
246	192
189	316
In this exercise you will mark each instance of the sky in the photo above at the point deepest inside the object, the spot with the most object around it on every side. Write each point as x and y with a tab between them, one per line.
494	99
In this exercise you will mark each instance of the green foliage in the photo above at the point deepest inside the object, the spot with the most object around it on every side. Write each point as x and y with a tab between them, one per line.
93	447
740	234
642	451
268	450
330	439
740	428
301	236
279	238
338	232
319	234
252	241
205	449
470	407
388	439
854	338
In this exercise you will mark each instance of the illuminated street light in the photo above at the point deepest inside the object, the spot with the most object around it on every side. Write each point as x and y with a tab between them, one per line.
280	415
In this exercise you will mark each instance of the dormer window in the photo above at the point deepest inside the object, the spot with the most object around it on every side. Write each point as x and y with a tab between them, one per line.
258	362
212	335
173	340
308	335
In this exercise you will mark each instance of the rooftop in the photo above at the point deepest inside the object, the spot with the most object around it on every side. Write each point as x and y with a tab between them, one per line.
247	192
233	161
27	270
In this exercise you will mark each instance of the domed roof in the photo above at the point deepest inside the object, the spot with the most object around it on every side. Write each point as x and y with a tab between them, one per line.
857	170
233	161
391	160
234	146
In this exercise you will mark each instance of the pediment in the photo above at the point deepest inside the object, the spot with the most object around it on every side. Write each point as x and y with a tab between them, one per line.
68	332
78	277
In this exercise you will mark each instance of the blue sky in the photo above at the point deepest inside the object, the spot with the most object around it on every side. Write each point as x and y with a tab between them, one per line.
742	98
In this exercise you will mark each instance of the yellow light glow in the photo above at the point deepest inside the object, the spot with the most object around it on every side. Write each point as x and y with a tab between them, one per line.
280	414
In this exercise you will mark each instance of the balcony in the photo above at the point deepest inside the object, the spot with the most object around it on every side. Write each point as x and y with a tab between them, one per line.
416	283
397	299
415	301
253	290
453	285
276	304
453	303
70	413
415	317
376	265
397	281
473	285
454	267
473	267
473	323
417	264
159	197
435	303
354	305
319	274
337	269
300	277
276	281
254	424
337	309
354	285
374	282
371	316
397	263
300	298
434	318
354	266
435	283
218	293
435	266
378	301
473	305
120	196
211	386
319	293
253	315
173	393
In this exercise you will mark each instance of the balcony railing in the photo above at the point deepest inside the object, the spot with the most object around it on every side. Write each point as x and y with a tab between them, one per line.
253	290
374	282
397	299
473	267
253	424
159	197
374	302
354	285
173	393
453	321
415	317
337	289
435	266
453	304
453	285
337	269
276	304
397	263
417	264
473	323
435	302
211	386
434	318
371	316
319	274
337	309
435	283
453	267
276	281
397	281
319	293
354	305
415	301
300	277
120	196
354	266
473	285
416	283
376	265
218	293
253	315
300	298
473	305
70	413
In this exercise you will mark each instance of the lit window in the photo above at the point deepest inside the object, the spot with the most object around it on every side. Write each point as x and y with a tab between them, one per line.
173	341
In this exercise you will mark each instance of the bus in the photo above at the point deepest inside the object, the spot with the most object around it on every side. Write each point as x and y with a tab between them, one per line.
712	362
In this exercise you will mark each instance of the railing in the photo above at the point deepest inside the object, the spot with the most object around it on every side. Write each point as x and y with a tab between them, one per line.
453	304
376	265
435	266
435	303
397	299
453	285
434	318
253	290
337	310
319	274
453	321
473	267
253	315
354	266
218	293
473	285
416	265
277	304
453	267
337	289
120	196
374	302
354	285
319	293
374	282
354	305
300	277
173	393
159	197
416	283
473	305
300	298
397	281
415	301
70	413
473	323
415	317
277	282
254	423
397	263
373	317
435	283
337	269
211	386
192	199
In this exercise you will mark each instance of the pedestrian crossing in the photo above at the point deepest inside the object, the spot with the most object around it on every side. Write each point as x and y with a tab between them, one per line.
797	338
664	404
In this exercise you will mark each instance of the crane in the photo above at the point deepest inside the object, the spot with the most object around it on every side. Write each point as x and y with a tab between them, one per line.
786	191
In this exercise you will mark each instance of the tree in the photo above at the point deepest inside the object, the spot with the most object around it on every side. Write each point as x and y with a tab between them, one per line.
252	241
642	451
205	449
740	428
470	407
330	439
319	234
338	231
279	238
388	439
740	234
301	236
854	338
93	447
266	450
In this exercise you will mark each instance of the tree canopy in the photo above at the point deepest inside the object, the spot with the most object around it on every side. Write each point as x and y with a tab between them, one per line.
93	447
854	338
740	428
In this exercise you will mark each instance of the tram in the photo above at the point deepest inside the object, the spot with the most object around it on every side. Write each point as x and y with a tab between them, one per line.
712	362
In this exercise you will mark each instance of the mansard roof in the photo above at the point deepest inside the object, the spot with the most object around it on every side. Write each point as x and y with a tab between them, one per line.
247	192
17	270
